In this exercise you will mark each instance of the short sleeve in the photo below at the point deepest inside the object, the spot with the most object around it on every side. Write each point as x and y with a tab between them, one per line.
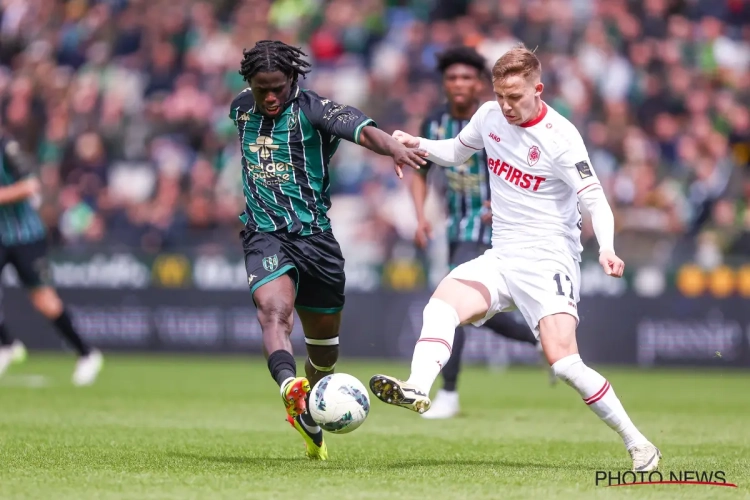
574	165
338	120
16	162
471	135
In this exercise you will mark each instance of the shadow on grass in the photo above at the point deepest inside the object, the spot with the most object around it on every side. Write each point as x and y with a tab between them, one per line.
375	463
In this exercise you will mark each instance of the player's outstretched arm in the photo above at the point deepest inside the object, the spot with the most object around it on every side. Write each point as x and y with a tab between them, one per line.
603	220
446	152
378	141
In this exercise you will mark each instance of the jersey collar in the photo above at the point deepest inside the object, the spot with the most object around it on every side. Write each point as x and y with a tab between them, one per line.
536	120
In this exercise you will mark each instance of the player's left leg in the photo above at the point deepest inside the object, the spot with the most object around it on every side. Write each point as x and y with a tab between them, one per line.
545	287
557	333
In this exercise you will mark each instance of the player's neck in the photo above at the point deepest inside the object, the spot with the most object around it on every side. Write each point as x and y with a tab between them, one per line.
540	111
463	112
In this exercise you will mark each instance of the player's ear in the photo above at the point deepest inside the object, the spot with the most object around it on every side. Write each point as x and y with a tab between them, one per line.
539	88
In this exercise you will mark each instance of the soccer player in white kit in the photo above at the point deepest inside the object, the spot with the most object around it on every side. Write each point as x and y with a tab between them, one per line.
540	174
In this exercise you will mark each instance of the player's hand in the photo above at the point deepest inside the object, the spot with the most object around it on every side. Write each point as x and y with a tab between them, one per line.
31	186
407	140
403	156
486	216
612	264
424	233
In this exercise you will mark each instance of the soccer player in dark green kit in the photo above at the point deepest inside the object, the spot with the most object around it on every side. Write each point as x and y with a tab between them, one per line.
467	195
23	244
288	135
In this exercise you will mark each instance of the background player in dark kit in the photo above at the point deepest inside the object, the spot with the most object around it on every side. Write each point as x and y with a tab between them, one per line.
467	196
23	244
288	135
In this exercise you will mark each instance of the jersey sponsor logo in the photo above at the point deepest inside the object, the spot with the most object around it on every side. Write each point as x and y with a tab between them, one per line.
514	175
270	263
494	137
270	174
533	157
265	145
584	170
244	117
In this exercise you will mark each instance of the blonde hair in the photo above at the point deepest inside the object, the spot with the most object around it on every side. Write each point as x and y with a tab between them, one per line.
518	61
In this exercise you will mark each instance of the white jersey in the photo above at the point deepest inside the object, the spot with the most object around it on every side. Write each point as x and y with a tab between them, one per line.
536	172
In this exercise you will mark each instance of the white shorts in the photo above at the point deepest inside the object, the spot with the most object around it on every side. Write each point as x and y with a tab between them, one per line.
536	281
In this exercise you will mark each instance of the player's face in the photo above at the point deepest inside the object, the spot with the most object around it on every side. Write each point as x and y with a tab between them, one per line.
517	97
270	90
462	84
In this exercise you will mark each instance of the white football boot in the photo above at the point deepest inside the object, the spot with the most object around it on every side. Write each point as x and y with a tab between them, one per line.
88	368
6	358
19	352
395	392
445	405
645	457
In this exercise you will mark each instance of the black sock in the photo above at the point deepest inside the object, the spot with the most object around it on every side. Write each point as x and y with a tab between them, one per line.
282	366
65	326
504	324
5	337
308	420
453	366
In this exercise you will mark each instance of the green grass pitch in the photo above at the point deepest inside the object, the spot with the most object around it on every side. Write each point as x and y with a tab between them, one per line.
213	428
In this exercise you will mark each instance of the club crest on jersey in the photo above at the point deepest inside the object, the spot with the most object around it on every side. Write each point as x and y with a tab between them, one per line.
533	156
292	121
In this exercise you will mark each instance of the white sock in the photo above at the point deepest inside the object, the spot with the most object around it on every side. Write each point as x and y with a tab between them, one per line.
599	396
433	349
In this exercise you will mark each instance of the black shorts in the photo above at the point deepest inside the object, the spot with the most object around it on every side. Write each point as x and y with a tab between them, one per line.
464	251
30	262
315	263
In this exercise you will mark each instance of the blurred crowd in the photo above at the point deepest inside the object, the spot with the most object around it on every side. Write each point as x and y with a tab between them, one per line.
124	103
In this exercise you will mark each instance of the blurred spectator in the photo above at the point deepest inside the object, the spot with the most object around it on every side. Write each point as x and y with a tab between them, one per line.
124	103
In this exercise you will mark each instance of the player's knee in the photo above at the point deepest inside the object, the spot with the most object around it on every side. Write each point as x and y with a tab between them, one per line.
557	334
569	369
323	353
275	312
470	300
47	302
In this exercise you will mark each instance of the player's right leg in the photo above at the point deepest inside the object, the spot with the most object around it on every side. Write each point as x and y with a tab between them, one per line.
272	278
469	294
30	261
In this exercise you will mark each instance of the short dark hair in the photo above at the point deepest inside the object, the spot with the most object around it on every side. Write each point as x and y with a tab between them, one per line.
272	55
461	55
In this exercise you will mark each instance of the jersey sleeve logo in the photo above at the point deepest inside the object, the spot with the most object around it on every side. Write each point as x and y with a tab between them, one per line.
533	156
584	170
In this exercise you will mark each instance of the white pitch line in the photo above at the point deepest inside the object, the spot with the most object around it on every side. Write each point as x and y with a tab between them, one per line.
33	381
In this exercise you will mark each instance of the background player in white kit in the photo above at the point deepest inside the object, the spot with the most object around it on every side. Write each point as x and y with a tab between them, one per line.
539	170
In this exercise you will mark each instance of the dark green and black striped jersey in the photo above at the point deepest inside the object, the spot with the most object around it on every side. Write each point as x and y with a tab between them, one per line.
467	185
19	222
285	159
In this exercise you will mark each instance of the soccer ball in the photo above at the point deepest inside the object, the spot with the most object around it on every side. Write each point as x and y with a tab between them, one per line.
339	403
